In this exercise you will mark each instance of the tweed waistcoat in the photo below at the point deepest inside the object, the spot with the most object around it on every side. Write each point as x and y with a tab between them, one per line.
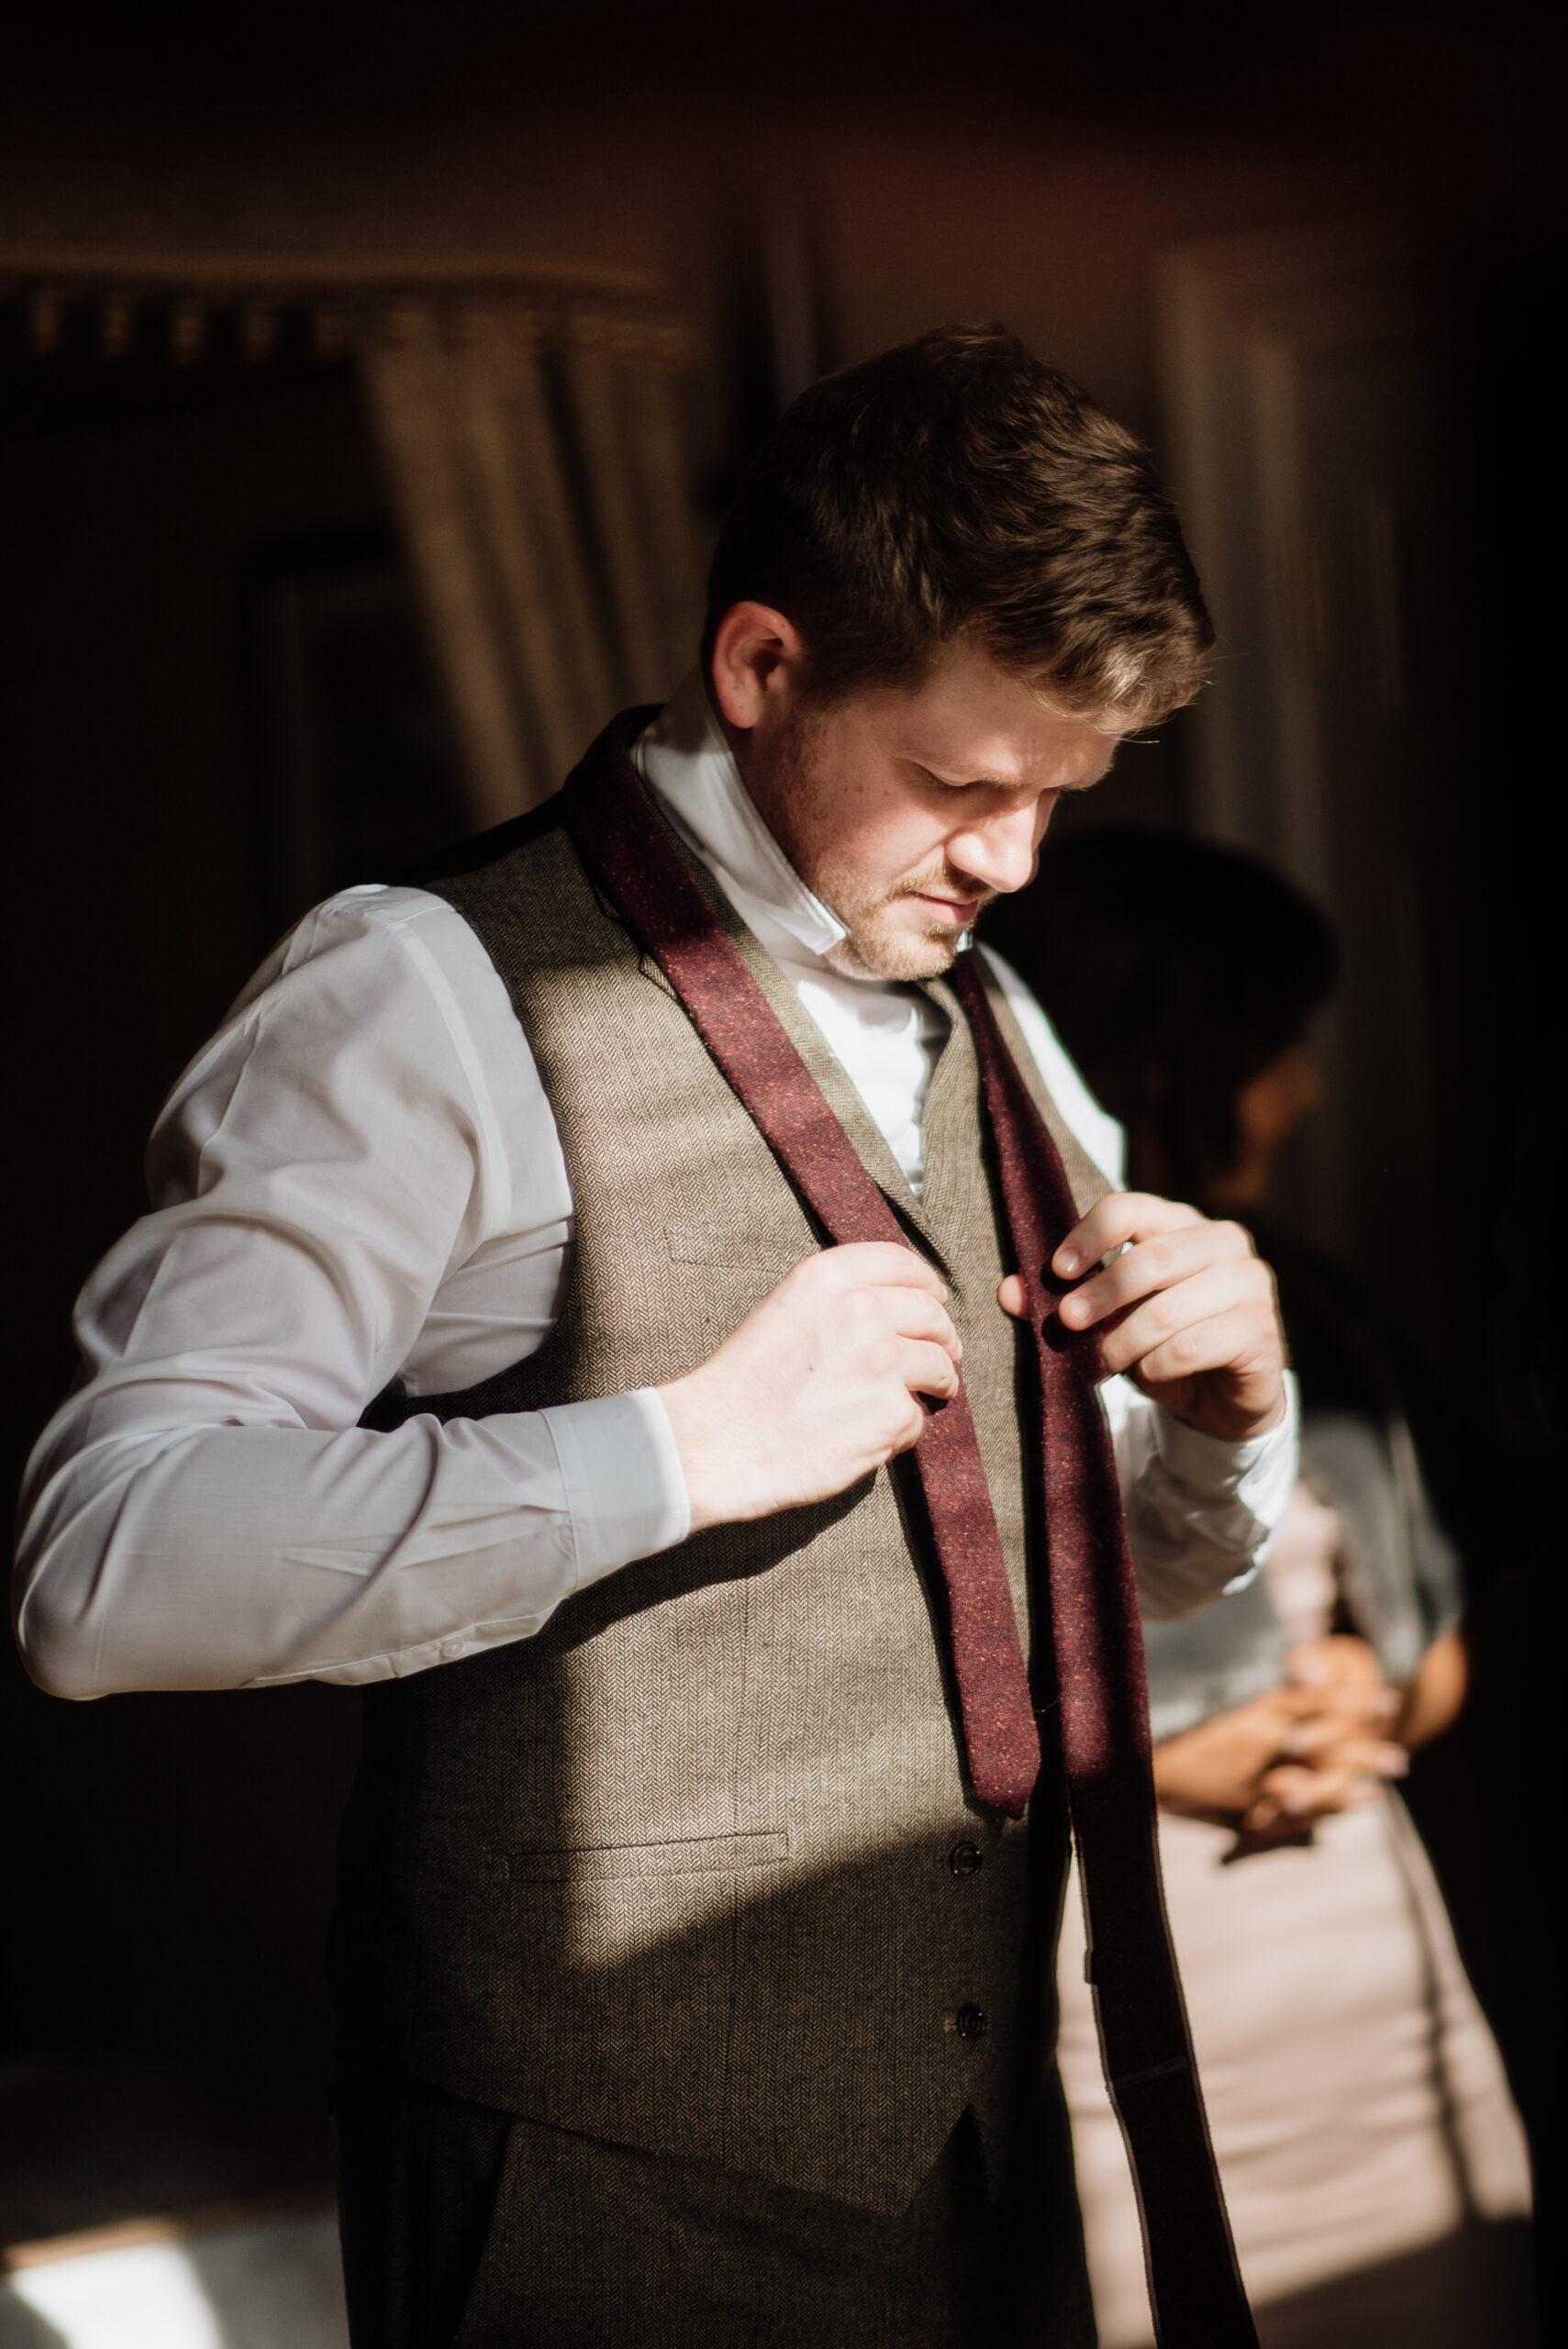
694	1870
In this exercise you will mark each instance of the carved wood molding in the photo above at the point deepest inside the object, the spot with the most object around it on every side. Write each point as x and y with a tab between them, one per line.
177	304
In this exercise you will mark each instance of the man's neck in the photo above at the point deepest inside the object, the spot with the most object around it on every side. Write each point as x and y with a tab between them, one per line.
690	768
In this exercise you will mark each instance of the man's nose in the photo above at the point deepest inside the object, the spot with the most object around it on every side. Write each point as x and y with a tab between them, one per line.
1000	851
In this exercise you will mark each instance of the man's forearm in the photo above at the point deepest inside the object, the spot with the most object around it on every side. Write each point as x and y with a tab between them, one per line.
224	1557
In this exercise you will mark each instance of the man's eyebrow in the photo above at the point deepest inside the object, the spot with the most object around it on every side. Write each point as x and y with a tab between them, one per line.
999	783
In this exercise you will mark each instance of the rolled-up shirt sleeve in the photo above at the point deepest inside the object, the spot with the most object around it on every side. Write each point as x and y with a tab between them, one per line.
205	1510
1200	1512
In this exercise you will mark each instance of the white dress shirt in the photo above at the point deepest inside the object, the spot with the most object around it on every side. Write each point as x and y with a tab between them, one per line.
359	1178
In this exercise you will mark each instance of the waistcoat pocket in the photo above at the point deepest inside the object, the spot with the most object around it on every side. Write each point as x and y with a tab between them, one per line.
598	1863
741	1247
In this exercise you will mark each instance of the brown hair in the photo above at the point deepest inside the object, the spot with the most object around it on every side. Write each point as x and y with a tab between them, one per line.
957	485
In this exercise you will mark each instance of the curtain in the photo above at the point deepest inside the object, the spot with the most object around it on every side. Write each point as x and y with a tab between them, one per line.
537	459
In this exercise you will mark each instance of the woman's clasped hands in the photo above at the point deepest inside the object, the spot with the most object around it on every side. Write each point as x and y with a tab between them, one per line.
1318	1743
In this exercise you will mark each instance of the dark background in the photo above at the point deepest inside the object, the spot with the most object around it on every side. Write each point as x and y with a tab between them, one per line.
217	706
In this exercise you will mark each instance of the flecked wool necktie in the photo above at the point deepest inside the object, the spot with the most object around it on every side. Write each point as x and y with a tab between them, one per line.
1194	2287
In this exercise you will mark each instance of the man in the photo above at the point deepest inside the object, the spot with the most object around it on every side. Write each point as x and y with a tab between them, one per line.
681	1950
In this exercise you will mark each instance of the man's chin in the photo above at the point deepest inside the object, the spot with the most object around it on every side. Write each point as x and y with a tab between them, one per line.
890	951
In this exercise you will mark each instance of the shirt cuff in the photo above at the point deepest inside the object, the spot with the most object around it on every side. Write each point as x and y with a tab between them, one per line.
1235	1481
1213	1469
626	1489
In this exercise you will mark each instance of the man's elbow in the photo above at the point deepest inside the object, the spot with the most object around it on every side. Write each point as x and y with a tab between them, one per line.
61	1666
61	1652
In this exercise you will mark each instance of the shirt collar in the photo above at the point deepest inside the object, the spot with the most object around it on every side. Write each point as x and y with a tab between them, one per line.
685	760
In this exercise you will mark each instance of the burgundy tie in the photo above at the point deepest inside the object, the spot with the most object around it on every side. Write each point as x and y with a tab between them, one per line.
1195	2288
1195	2285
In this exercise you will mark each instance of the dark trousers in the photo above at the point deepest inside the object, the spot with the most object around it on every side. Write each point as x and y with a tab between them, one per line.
465	2228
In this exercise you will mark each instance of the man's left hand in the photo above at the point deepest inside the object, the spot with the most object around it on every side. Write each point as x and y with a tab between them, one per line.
1186	1310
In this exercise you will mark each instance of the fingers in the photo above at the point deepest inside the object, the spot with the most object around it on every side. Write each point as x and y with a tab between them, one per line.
879	1323
872	1263
1341	1714
1180	1257
1219	1325
914	1313
1292	1792
878	1286
1119	1217
1180	1337
821	1384
1342	1660
929	1369
1185	1305
1191	1299
1338	1745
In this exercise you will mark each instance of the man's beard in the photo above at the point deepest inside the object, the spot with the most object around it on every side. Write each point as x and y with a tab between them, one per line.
878	947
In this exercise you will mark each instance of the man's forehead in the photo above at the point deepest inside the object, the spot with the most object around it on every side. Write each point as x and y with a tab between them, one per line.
1013	741
966	700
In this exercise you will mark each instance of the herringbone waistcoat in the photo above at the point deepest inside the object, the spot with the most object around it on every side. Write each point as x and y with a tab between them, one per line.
685	1870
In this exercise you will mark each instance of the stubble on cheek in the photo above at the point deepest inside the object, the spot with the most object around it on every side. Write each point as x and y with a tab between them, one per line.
803	808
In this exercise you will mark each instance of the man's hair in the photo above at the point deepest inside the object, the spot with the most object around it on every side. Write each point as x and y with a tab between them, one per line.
956	486
1175	971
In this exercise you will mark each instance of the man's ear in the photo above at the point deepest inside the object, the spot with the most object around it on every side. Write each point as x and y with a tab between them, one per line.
758	659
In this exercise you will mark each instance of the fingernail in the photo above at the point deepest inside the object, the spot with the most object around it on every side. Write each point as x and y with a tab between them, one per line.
1066	1261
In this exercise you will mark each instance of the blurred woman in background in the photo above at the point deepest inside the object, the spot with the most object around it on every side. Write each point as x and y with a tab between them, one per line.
1369	2150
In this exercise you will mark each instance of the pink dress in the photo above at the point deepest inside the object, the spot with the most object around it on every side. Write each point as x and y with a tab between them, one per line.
1356	2102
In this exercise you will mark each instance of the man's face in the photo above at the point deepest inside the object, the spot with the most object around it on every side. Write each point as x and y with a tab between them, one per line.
905	810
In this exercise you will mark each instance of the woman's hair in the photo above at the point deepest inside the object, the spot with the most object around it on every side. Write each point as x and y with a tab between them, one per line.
1175	972
956	486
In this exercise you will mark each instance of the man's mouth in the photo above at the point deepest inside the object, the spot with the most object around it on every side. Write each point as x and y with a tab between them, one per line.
960	912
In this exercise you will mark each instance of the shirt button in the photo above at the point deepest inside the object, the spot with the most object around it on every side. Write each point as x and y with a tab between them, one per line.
969	2022
451	1650
966	1859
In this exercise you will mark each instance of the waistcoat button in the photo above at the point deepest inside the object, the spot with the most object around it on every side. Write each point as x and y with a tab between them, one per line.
966	1859
970	2022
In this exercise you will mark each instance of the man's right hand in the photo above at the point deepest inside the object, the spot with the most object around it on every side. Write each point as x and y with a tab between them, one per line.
817	1386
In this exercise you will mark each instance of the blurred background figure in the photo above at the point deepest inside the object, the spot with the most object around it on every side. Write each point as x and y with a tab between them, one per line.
1372	2159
